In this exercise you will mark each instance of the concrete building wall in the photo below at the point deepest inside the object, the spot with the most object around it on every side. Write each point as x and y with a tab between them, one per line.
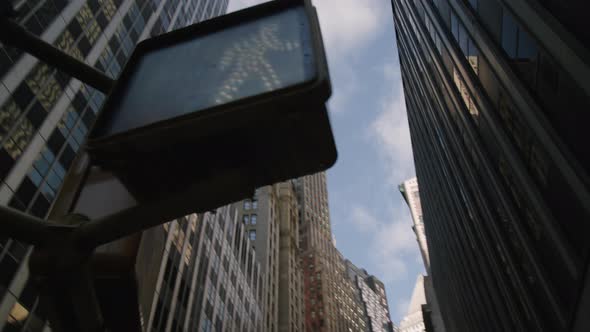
290	288
319	254
411	194
413	321
352	314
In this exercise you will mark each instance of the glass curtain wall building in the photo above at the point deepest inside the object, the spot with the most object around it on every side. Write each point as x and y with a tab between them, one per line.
497	95
208	276
45	115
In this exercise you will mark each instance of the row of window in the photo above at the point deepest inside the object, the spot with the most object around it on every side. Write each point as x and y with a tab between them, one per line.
45	86
250	219
216	292
421	140
523	53
562	101
504	170
424	97
250	204
37	95
37	16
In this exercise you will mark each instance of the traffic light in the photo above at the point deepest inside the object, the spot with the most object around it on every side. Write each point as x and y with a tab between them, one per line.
243	93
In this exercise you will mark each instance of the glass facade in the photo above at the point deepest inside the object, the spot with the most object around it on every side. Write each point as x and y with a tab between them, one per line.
45	115
209	277
496	119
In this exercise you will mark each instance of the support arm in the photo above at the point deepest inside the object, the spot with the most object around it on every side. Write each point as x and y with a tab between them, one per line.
17	36
29	229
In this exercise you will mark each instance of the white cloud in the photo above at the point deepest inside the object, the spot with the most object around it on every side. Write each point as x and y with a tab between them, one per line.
347	24
344	85
390	72
391	136
401	307
363	220
392	244
396	237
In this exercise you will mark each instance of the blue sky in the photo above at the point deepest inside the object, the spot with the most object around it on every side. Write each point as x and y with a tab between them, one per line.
370	221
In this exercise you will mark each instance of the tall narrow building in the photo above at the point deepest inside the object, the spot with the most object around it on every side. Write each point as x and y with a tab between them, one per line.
261	220
413	321
497	95
271	220
411	193
319	257
45	115
291	311
333	301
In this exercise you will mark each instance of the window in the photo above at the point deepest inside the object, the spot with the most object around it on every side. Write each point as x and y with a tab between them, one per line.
206	326
255	204
465	42
516	42
472	55
40	207
56	141
23	96
67	156
253	219
252	235
246	219
247	204
8	268
463	38
53	180
17	316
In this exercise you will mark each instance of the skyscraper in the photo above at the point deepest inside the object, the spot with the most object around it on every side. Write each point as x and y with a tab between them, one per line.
271	222
201	273
319	256
333	301
45	115
496	94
